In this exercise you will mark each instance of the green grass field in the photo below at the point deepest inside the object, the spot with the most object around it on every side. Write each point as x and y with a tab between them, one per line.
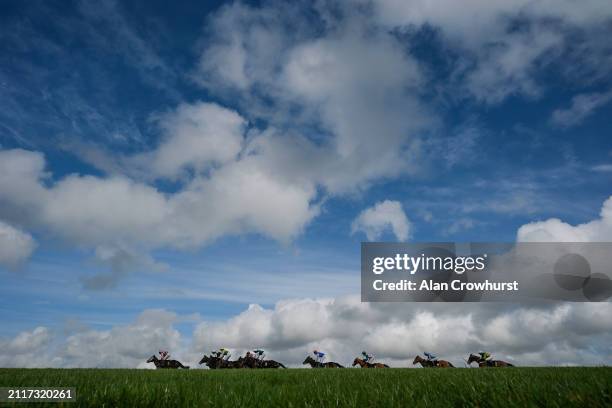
520	387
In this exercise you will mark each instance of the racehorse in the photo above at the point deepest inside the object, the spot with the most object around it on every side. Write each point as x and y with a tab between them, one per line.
217	362
315	364
365	364
252	362
271	364
165	363
487	363
432	364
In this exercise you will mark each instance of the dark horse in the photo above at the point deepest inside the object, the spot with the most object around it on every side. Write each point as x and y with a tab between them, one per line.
364	364
216	362
252	362
487	363
315	364
432	364
165	363
270	364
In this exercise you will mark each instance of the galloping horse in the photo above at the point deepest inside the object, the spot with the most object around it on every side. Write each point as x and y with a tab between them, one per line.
271	364
252	362
165	363
315	364
432	364
365	364
216	362
487	363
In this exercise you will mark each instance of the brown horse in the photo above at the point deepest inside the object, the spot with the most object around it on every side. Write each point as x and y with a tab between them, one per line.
432	364
165	363
365	364
473	358
315	364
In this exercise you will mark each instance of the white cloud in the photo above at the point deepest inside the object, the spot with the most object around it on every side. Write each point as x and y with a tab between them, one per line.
233	180
345	326
15	245
559	334
555	230
356	87
241	197
503	43
384	215
363	88
123	346
27	349
342	99
604	168
197	136
239	194
581	107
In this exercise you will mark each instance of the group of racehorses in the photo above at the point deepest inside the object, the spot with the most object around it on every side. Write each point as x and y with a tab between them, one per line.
215	362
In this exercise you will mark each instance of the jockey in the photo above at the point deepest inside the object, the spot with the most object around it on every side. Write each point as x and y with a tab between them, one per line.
319	356
484	356
430	357
224	353
259	354
164	355
368	358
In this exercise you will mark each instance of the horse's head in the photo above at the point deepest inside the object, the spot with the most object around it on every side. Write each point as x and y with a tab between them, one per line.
417	359
473	358
356	361
204	359
152	359
308	360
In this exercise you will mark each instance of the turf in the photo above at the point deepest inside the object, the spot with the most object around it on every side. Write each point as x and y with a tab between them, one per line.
519	387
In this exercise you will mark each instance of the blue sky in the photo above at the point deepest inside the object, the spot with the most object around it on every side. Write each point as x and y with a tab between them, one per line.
196	158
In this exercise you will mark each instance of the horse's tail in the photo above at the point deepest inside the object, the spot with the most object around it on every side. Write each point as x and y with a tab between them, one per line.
386	365
510	365
451	365
281	365
339	366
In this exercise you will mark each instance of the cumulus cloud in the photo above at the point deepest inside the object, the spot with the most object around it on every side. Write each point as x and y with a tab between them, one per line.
504	43
197	136
126	346
27	349
553	334
233	179
385	215
341	100
345	326
240	195
15	245
556	230
356	87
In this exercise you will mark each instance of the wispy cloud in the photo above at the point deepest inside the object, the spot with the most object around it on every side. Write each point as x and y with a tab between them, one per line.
581	107
602	168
